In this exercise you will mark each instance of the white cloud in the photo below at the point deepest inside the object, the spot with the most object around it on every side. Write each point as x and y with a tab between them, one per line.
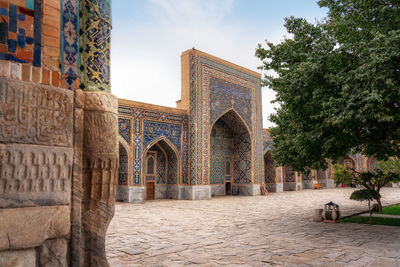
146	54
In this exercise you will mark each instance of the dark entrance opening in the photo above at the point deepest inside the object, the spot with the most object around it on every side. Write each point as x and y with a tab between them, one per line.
228	188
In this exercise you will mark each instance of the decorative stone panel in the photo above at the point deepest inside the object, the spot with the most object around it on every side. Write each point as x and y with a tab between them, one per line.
34	175
35	114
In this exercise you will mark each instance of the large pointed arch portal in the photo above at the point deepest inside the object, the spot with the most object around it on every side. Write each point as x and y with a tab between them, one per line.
230	154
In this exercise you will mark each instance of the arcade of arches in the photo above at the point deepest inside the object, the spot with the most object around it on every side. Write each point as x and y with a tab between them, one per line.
212	144
278	179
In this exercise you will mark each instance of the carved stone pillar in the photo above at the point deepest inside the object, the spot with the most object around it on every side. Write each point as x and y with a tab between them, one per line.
99	173
96	145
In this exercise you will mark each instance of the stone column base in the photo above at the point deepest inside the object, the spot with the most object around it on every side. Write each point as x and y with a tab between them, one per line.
274	188
307	185
196	192
249	190
218	190
131	194
289	186
323	183
299	186
330	184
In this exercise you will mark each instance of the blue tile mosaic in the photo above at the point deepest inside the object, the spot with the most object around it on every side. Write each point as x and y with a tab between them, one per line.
21	40
12	18
124	129
12	45
153	130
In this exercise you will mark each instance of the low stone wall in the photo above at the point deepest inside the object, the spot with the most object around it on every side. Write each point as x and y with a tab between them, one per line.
131	194
289	186
249	190
218	190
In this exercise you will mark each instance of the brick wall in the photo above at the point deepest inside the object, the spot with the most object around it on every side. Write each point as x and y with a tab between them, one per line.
30	41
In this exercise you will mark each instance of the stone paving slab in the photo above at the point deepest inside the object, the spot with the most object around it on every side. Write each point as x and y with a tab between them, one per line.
273	230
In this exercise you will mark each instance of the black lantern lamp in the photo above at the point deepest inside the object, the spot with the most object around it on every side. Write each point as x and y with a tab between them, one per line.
331	212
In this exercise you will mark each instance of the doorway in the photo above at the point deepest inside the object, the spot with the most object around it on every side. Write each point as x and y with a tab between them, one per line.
150	190
228	188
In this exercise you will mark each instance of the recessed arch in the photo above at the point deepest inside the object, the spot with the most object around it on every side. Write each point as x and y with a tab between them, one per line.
269	168
230	139
164	144
124	169
226	112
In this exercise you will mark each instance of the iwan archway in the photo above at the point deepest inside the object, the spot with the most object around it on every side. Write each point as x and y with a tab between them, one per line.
161	174
230	155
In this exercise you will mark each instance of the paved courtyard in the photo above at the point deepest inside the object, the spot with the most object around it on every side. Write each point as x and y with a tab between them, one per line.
273	230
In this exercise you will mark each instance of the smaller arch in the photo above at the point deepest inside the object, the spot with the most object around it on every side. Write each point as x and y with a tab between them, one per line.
150	165
154	142
122	142
269	168
163	138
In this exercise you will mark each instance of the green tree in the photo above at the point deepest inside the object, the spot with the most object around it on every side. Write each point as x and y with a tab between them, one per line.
372	181
365	195
338	84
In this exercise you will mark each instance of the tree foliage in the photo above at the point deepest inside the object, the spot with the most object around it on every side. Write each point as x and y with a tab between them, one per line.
371	181
338	84
365	195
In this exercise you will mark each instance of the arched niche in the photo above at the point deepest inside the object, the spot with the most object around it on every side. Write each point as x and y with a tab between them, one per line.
230	141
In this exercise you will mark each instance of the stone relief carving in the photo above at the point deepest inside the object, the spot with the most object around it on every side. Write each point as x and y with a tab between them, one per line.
33	175
35	114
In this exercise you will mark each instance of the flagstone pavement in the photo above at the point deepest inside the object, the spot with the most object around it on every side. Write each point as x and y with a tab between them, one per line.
273	230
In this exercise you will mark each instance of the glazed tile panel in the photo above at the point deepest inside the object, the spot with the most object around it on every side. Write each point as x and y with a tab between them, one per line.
124	129
69	43
152	130
21	31
225	95
143	126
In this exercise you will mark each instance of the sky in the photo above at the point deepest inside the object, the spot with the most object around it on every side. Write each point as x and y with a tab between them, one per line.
149	36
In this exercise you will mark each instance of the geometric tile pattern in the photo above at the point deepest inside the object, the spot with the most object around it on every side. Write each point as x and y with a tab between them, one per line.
221	149
225	95
193	159
241	147
152	130
289	176
145	126
123	166
124	129
269	168
95	45
69	43
172	162
21	31
229	84
161	164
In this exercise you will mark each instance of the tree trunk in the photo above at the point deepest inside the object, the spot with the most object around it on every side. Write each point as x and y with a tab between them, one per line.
369	208
378	201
